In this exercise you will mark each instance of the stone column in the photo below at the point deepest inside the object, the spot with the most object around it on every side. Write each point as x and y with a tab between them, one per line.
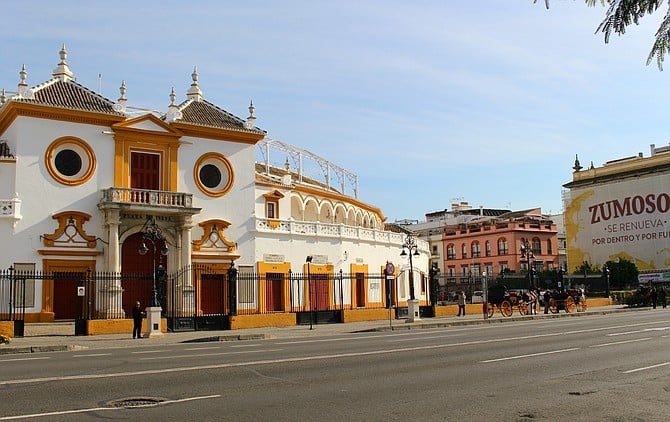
188	294
109	289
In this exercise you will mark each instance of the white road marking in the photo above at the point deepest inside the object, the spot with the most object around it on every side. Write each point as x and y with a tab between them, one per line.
143	352
210	354
551	352
630	371
98	409
201	348
20	359
241	346
92	355
621	342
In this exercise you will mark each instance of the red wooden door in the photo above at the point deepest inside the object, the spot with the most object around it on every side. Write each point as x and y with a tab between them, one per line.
212	294
65	294
360	290
274	283
137	278
144	171
318	292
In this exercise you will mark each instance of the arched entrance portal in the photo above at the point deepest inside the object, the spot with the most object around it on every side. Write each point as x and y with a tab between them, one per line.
137	278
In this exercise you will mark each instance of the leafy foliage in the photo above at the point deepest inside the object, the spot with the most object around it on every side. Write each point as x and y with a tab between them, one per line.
622	13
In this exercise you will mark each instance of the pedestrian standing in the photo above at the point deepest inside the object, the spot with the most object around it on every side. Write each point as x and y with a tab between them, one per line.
137	320
547	297
661	297
654	297
461	303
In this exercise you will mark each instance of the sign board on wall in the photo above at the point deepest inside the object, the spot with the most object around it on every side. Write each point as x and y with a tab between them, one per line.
627	219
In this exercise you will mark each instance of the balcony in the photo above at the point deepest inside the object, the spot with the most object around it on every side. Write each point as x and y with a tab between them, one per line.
148	200
10	209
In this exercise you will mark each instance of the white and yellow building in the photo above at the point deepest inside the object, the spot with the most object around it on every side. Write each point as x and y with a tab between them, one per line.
82	176
621	210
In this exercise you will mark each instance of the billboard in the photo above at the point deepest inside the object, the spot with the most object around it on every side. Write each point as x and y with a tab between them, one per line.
627	219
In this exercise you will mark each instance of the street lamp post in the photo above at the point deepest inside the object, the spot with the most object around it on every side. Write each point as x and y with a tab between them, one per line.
527	254
309	284
409	247
606	270
152	234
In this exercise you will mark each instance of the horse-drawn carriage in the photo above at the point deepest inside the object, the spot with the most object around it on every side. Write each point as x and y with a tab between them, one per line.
505	301
570	300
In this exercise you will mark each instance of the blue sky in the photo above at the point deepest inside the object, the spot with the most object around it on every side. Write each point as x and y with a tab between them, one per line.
427	102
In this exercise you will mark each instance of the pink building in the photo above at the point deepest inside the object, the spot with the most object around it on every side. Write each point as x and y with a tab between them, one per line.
491	245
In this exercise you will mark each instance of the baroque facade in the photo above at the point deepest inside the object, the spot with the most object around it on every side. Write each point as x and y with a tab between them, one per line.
85	178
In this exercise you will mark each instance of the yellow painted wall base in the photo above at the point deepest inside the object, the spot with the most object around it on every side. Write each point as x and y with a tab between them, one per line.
355	315
598	301
239	322
7	328
117	326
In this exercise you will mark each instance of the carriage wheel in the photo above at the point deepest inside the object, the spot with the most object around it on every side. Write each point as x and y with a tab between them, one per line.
506	308
570	304
490	309
523	308
553	305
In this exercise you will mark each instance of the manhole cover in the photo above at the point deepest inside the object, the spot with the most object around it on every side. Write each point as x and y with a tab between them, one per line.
132	402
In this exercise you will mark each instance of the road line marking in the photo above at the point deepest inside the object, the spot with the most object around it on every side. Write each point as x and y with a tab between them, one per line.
210	354
98	409
621	342
241	346
20	359
630	371
143	352
551	352
92	355
201	348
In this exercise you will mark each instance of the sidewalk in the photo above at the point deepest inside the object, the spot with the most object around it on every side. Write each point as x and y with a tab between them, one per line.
51	337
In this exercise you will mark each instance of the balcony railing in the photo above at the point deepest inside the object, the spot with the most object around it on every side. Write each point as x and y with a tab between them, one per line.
148	197
337	231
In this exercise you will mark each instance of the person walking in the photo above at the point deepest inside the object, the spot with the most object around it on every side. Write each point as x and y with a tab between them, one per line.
461	303
137	320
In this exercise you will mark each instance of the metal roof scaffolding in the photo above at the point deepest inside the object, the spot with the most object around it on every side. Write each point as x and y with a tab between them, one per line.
298	155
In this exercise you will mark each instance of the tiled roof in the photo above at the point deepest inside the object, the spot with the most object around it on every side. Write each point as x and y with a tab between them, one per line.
204	113
70	95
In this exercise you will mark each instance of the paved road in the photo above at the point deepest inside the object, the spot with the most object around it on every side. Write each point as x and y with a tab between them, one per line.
60	337
604	367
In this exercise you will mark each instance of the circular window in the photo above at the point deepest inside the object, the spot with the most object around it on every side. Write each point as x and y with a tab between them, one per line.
210	175
70	161
213	174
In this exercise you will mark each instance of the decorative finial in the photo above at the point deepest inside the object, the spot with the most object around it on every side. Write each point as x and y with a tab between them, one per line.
592	166
577	166
173	112
251	120
194	92
120	105
122	90
23	74
3	97
23	90
287	166
62	71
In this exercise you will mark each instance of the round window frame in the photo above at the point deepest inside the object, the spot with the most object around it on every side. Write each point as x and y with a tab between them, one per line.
224	167
79	146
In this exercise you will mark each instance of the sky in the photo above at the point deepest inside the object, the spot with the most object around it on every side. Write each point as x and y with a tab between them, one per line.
428	102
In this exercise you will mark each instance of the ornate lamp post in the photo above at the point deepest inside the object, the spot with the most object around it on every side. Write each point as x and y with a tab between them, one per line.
527	254
409	247
153	235
308	260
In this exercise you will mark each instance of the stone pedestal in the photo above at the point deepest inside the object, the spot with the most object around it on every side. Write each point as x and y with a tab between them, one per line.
413	313
153	322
